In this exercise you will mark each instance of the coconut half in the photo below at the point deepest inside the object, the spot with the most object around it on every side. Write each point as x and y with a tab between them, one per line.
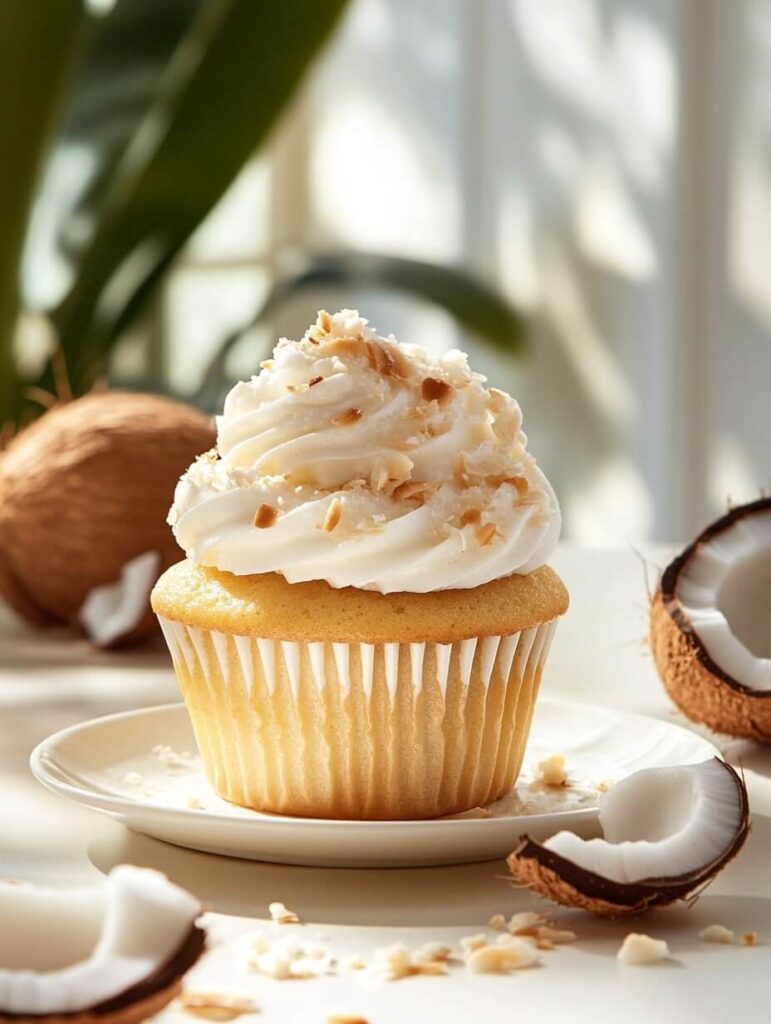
711	624
666	833
113	952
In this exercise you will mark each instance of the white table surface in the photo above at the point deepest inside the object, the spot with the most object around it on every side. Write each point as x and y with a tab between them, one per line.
50	680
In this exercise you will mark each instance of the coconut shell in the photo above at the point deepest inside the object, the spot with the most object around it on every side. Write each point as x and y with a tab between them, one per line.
138	1003
560	880
696	683
87	488
698	686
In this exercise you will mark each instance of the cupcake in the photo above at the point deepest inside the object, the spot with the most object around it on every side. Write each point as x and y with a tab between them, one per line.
360	626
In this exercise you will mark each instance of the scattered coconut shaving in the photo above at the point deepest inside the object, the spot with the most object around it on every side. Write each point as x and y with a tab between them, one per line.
289	958
640	950
510	953
749	939
498	922
392	963
171	759
218	1006
551	771
354	963
436	952
345	1018
281	914
471	942
525	923
717	933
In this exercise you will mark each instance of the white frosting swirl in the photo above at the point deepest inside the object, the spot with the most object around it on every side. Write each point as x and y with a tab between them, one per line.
365	463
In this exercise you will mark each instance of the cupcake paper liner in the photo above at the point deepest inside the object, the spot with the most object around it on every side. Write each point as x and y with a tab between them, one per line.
356	730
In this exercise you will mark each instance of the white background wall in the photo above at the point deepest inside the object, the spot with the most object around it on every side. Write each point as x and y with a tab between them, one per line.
607	163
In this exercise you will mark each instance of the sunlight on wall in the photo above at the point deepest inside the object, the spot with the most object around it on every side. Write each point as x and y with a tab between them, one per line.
614	506
609	230
732	478
374	185
594	364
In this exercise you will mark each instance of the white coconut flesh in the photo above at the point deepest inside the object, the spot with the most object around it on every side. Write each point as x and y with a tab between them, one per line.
114	609
660	823
725	591
62	951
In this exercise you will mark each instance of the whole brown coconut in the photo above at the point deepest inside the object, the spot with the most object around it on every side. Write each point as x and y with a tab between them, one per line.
86	489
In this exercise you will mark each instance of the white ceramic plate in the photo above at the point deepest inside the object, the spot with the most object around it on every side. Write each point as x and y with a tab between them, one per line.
140	768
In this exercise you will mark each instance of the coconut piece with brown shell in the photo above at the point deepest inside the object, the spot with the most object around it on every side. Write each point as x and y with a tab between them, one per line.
667	832
113	953
711	624
84	492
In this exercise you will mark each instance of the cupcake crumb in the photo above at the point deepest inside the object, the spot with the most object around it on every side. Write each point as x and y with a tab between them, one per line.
282	914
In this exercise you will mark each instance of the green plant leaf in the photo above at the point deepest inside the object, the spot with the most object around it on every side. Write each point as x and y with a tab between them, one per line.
219	97
38	41
476	306
124	55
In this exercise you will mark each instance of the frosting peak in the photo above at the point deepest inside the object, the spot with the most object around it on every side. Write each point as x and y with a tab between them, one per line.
365	463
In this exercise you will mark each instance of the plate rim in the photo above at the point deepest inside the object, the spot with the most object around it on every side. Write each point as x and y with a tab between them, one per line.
126	805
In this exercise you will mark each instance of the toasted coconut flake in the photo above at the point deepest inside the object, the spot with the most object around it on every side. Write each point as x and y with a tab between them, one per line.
395	962
435	390
459	471
388	360
332	518
555	936
434	951
346	347
498	922
345	1018
314	381
525	923
217	1006
414	489
324	321
354	963
471	515
471	942
347	418
282	914
749	939
485	534
265	516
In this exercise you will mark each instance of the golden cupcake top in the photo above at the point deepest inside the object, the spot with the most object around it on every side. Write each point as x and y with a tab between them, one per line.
357	461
